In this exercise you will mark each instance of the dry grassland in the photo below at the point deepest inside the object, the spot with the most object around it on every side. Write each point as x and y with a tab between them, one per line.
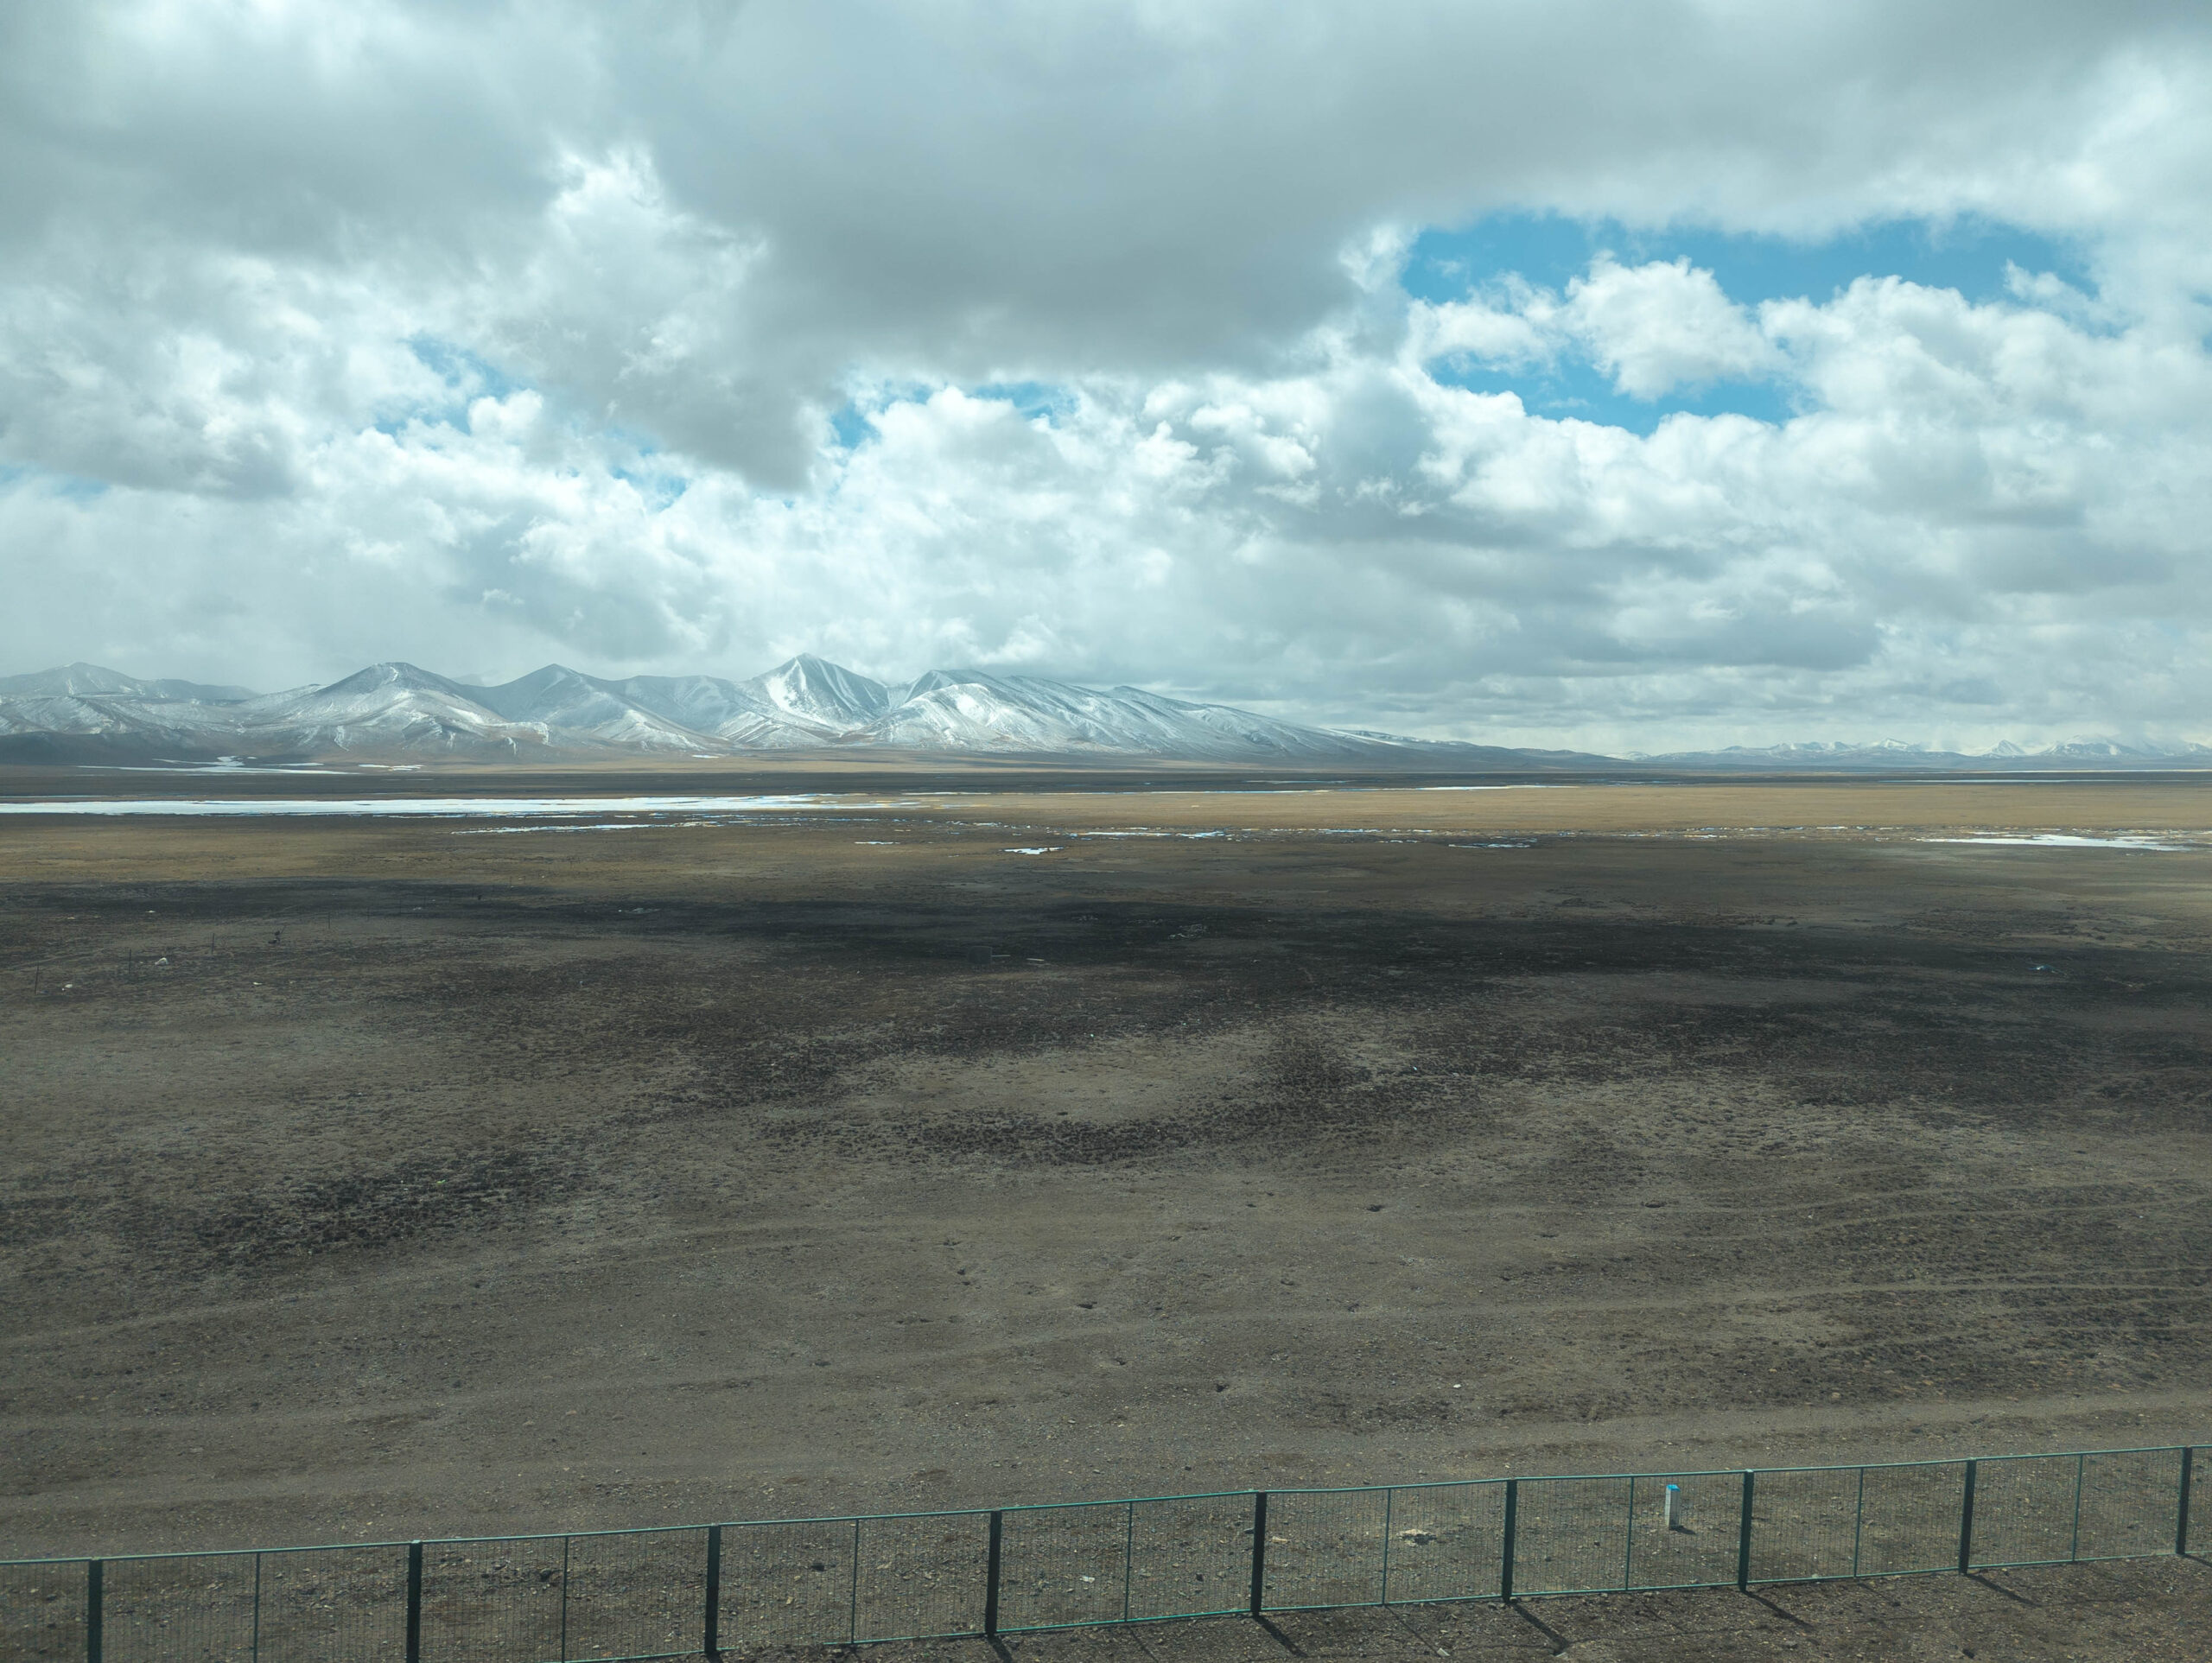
380	1178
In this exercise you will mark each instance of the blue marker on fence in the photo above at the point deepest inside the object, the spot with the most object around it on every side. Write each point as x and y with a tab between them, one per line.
1673	1506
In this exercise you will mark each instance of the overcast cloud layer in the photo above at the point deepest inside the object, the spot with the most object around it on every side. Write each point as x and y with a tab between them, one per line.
1078	340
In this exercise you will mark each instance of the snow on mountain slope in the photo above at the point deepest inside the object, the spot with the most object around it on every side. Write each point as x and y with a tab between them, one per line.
385	708
1897	755
970	710
699	703
558	698
84	700
805	703
813	692
745	732
81	680
82	712
2102	750
62	712
736	713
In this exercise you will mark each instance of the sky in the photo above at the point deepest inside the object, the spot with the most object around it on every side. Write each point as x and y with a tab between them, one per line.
1629	377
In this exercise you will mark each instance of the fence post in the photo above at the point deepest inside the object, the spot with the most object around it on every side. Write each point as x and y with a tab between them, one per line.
1744	1534
854	1616
1259	1549
1505	1557
413	1603
1965	1521
1858	1523
2181	1512
93	1569
1628	1540
2073	1531
713	1637
1390	1500
991	1575
1128	1556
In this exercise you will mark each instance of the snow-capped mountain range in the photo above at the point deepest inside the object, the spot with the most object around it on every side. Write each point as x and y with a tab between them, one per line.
1898	755
396	711
84	713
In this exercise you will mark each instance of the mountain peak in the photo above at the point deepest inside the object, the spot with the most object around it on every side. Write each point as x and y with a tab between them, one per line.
399	676
551	676
81	680
816	691
70	681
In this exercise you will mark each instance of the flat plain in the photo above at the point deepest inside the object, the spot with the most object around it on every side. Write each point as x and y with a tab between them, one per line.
970	1139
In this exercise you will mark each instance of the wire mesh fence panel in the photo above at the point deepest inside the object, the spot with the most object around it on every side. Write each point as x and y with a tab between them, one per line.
1059	1567
502	1601
182	1611
333	1605
1325	1548
1805	1524
2200	1503
1909	1518
1572	1535
2024	1509
637	1594
624	1597
42	1611
787	1584
1190	1557
1696	1546
923	1575
2128	1499
1445	1542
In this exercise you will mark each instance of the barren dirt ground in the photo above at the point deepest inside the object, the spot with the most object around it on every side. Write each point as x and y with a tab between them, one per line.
373	1178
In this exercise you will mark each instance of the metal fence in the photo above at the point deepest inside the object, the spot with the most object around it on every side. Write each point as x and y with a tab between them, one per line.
638	1594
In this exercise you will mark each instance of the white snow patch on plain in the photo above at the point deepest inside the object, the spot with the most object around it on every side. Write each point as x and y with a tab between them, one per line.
609	825
2074	840
448	807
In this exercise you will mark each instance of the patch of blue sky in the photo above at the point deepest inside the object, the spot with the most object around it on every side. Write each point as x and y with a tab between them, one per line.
1034	399
1574	388
851	426
660	488
1549	250
1968	253
467	377
853	422
71	487
463	371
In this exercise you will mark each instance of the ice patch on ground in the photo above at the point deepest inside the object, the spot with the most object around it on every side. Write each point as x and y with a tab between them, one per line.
448	807
2078	841
610	825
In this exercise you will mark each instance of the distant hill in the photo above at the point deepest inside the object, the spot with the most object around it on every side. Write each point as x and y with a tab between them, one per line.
1893	756
806	704
83	713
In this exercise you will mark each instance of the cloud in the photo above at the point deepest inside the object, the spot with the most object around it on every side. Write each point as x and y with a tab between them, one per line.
1652	328
339	332
1662	325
